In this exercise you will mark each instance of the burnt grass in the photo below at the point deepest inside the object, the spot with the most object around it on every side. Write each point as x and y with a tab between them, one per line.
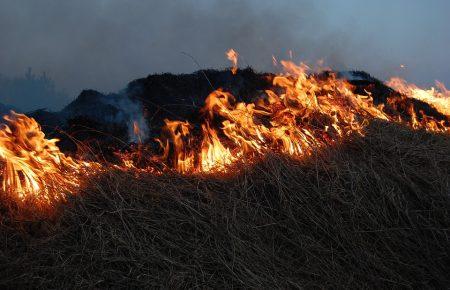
371	212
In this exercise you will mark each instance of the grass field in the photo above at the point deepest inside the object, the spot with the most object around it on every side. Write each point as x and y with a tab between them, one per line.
372	212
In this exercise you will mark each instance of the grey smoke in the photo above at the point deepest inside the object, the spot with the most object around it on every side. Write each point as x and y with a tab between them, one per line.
103	44
130	113
111	109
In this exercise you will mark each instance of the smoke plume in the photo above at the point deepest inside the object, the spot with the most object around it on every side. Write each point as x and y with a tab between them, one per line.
104	44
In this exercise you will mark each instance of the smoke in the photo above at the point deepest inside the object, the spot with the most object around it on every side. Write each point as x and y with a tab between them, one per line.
29	90
109	110
131	113
104	44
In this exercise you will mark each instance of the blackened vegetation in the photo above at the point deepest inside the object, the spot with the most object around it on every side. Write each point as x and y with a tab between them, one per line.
394	102
103	120
373	212
180	97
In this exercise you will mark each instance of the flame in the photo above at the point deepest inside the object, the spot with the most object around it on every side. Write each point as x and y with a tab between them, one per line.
214	155
438	98
300	114
233	56
178	133
31	166
137	131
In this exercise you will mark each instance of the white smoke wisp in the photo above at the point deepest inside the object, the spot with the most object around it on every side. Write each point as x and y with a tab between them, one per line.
132	114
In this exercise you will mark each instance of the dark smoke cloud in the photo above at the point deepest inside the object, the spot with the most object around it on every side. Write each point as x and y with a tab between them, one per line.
103	44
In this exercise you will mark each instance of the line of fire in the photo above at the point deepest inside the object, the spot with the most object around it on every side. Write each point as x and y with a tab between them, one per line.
300	112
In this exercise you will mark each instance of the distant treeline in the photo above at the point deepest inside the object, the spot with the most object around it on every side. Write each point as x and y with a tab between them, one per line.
30	92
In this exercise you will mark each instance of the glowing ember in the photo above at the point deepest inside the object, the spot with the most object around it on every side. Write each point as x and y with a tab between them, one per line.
233	56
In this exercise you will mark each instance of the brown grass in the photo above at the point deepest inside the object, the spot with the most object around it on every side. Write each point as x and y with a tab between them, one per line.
373	212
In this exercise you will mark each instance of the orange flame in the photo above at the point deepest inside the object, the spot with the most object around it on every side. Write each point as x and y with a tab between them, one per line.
302	113
137	131
306	114
31	166
299	115
233	56
438	97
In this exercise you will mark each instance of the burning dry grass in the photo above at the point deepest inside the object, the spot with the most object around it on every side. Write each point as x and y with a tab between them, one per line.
373	212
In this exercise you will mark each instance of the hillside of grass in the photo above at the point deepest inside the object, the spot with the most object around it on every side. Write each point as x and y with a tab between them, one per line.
371	212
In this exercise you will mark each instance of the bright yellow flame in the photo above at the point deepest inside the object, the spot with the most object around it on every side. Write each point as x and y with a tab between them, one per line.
31	166
438	97
300	114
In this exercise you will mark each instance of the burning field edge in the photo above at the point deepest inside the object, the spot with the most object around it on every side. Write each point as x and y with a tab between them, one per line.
311	180
371	211
300	112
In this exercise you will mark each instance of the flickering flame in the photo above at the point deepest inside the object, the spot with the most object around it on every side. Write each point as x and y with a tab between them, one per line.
301	113
31	166
137	132
233	56
438	97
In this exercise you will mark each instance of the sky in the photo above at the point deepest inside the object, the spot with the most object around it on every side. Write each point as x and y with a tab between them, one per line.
104	44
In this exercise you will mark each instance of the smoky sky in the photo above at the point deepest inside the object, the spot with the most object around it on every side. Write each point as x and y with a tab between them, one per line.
104	44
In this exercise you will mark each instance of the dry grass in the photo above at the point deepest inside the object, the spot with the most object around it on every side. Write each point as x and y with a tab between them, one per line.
371	213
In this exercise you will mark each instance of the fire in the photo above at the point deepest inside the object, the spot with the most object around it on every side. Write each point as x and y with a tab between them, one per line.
438	97
233	56
179	134
301	113
32	168
137	132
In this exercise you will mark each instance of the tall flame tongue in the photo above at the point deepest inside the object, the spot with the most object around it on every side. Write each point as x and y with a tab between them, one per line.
439	97
300	114
32	168
233	56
